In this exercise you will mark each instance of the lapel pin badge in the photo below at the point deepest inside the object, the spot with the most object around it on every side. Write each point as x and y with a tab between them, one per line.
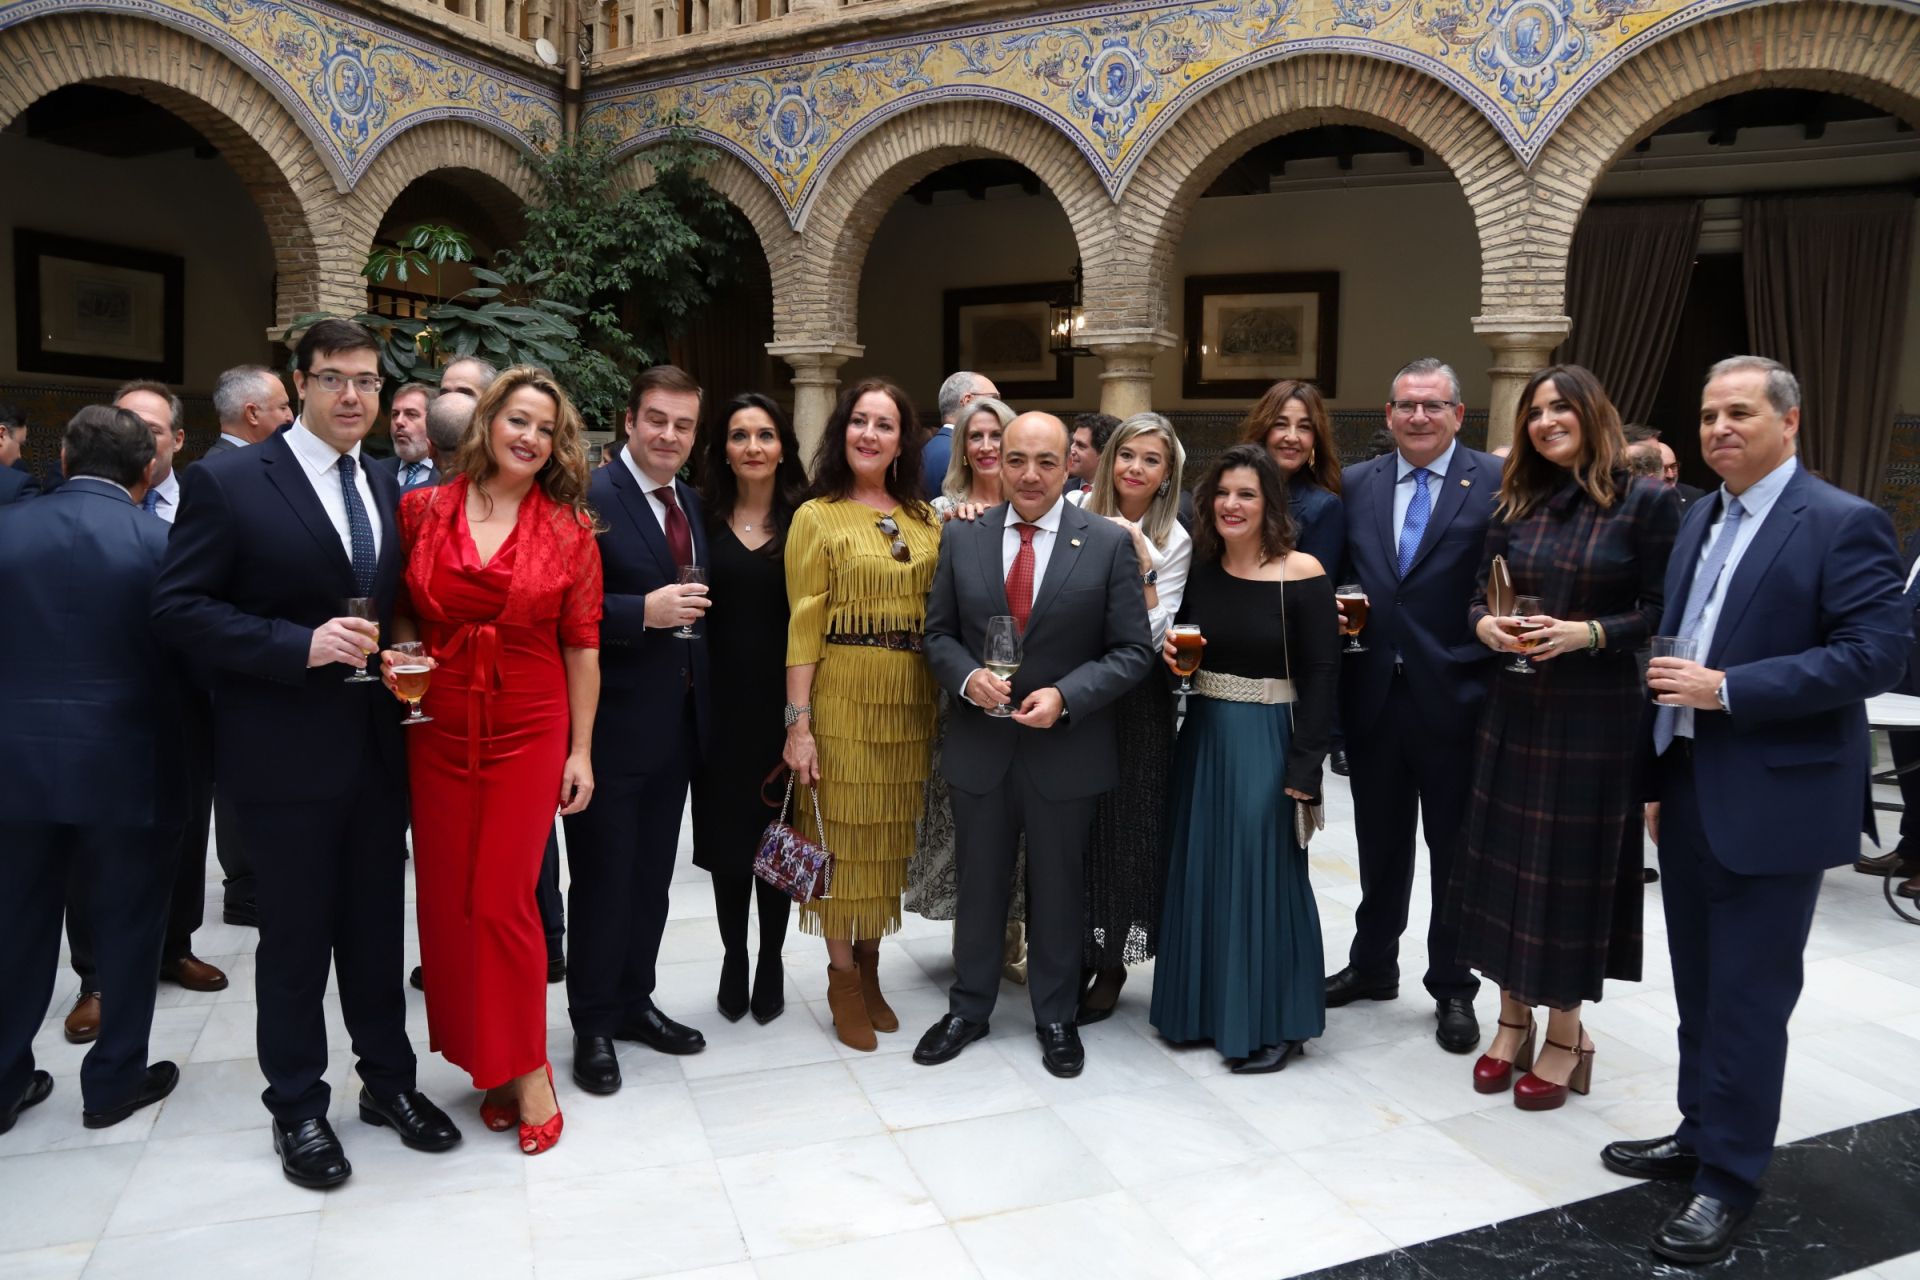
1465	483
1075	542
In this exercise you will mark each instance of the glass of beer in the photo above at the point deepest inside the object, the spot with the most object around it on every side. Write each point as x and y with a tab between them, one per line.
1002	656
1686	648
411	672
690	573
1353	615
362	607
1523	607
1187	643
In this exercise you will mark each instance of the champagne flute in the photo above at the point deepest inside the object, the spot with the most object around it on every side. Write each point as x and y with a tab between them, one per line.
1002	656
691	573
363	607
1524	607
411	672
1187	641
1353	616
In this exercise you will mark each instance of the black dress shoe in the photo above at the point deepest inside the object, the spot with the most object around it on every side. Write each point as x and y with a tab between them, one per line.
412	1115
1060	1049
1337	761
310	1155
244	914
1347	986
595	1068
1649	875
732	1000
1650	1158
39	1087
1271	1058
556	969
415	981
946	1038
161	1078
1701	1230
1459	1030
662	1034
769	990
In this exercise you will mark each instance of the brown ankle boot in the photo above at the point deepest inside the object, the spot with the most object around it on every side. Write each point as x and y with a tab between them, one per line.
878	1012
850	1020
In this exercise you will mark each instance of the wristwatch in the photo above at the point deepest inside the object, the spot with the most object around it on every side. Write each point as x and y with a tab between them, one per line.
1150	577
1720	693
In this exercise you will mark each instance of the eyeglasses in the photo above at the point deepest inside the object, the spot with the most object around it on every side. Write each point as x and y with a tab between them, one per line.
886	525
367	384
1434	408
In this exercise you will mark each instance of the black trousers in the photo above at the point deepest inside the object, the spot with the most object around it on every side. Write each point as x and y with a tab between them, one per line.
332	895
129	870
235	865
987	830
553	911
1402	770
1906	752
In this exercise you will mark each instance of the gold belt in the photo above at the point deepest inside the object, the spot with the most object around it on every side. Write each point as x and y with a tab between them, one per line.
1226	688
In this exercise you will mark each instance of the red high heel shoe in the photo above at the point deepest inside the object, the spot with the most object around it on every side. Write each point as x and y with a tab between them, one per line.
1493	1075
535	1138
1531	1093
499	1119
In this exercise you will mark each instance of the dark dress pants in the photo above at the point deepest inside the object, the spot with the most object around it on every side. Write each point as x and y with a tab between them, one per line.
235	866
129	869
987	830
1906	755
333	894
1737	944
553	911
1405	768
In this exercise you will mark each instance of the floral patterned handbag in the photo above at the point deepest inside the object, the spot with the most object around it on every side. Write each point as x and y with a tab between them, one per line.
789	861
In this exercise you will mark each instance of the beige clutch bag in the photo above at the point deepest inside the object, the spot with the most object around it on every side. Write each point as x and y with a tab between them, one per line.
1500	595
1307	819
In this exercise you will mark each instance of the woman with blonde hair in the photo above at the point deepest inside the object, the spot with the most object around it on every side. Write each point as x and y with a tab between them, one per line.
502	585
973	468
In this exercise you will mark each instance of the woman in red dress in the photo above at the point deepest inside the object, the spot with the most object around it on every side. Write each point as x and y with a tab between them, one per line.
503	586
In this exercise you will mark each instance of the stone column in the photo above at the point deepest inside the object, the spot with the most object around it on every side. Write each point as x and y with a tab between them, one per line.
1522	346
816	383
1126	383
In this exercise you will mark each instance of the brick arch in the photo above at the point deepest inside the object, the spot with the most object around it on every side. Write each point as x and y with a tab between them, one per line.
495	170
743	188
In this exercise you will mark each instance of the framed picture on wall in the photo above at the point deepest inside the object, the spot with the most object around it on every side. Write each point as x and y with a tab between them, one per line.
1002	331
1245	333
97	310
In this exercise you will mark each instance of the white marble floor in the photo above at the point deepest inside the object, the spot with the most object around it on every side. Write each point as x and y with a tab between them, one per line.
779	1154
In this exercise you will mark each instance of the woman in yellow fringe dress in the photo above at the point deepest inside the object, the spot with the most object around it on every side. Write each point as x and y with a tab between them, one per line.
860	559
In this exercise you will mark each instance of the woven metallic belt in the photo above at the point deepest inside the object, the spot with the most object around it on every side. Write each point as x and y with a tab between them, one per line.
1226	688
903	641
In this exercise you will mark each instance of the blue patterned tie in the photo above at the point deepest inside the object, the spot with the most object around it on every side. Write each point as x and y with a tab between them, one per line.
413	474
359	527
1418	512
1666	720
151	502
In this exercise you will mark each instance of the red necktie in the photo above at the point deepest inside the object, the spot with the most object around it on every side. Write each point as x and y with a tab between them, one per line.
679	536
1020	577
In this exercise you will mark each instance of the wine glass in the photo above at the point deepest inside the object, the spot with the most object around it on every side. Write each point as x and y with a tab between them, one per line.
1002	656
411	673
1353	616
1187	641
690	573
363	607
1524	607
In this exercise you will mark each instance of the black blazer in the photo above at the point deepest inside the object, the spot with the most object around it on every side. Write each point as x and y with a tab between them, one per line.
644	675
220	445
89	710
252	568
1911	683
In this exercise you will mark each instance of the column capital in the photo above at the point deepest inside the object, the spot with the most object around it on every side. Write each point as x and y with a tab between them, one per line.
1518	333
1124	343
815	361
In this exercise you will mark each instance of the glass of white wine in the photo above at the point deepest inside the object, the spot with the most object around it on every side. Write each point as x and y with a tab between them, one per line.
691	573
1002	656
411	675
362	607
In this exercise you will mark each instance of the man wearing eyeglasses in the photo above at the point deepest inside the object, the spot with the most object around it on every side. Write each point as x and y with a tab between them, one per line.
1416	519
271	543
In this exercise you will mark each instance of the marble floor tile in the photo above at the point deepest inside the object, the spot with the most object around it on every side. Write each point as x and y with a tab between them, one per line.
217	1177
63	1197
1553	1154
1109	1236
471	1234
280	1247
786	1107
1259	1220
55	1262
906	1095
1119	1059
828	1194
917	1007
1906	1267
1415	1183
1419	1075
997	1163
56	1124
733	1048
931	1254
643	1222
1170	1131
640	1127
1318	1099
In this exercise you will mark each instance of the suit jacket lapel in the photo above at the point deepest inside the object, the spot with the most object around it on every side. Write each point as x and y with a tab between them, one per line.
1684	560
1454	488
640	512
696	523
386	501
1774	531
1385	473
288	475
1061	560
993	528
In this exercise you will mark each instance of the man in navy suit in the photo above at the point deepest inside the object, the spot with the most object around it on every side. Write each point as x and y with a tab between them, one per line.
647	736
1759	761
89	729
412	463
1904	858
251	403
271	543
1416	519
16	482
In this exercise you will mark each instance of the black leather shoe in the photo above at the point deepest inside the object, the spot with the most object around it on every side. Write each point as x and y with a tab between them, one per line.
412	1115
595	1068
1060	1049
1701	1230
946	1038
1347	986
1337	761
415	981
39	1087
732	1000
310	1154
161	1078
769	990
244	914
1650	1158
662	1034
1459	1030
1271	1058
556	969
1648	875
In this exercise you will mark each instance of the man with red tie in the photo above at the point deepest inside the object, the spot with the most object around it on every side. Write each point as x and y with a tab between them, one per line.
647	736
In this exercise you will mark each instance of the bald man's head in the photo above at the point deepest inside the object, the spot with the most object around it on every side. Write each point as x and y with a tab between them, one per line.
1033	463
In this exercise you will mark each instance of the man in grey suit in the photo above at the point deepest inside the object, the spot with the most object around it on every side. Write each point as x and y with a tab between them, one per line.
251	403
1072	584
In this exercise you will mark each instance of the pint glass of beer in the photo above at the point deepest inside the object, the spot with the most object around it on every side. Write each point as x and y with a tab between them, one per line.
1187	643
411	672
1353	615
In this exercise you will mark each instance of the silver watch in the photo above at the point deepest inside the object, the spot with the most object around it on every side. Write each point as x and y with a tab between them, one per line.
1720	693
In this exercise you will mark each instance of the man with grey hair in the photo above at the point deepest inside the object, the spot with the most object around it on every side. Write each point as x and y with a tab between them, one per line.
447	419
1410	701
956	393
469	374
251	403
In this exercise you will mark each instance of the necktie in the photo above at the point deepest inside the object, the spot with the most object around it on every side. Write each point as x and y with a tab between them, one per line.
679	535
1020	577
359	528
1419	511
1666	720
413	475
152	501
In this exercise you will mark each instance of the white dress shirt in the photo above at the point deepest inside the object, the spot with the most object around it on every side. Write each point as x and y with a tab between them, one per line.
1047	532
655	505
400	472
321	463
166	503
238	442
1403	486
1170	569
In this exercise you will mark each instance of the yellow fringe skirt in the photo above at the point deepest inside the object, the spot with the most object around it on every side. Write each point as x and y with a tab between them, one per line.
873	716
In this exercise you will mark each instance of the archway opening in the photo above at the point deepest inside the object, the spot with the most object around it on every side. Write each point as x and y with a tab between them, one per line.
724	344
478	206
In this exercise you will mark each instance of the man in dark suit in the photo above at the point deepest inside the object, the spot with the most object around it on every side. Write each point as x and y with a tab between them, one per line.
270	545
412	464
16	482
1759	759
649	733
251	403
1071	582
90	734
1416	519
1904	859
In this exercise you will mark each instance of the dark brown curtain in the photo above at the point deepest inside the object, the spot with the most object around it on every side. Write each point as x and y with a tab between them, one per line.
1827	277
1627	284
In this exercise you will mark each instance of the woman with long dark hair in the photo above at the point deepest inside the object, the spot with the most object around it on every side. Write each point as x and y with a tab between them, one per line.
751	483
1292	424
